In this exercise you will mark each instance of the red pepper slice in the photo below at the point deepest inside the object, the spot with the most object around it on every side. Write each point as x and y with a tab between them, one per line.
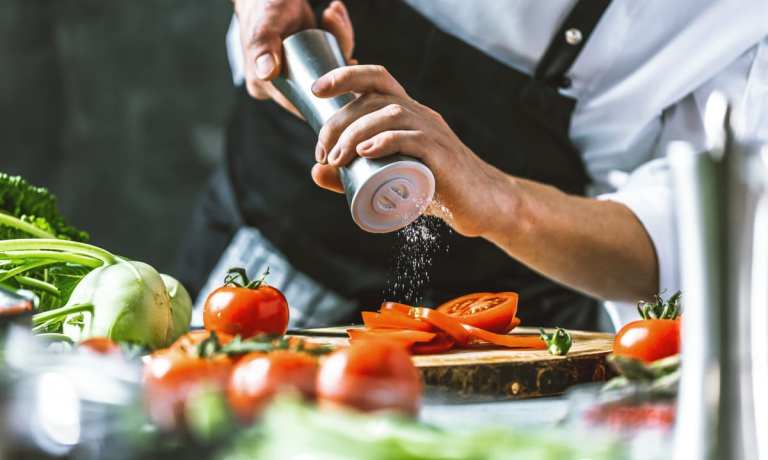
448	324
391	319
513	324
440	344
509	341
406	338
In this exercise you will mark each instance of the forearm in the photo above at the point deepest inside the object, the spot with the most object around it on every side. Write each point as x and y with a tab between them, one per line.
597	247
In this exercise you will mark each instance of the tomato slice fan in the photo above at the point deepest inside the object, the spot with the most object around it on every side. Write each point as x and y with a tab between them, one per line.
487	310
480	317
504	340
404	337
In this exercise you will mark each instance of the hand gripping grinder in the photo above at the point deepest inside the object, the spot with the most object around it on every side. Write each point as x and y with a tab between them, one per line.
384	194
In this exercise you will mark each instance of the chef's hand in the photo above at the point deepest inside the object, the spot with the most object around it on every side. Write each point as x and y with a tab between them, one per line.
263	26
383	121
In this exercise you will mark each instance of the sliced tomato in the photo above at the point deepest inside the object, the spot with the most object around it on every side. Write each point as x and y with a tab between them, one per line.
514	323
486	310
440	344
395	307
391	319
504	340
404	337
448	324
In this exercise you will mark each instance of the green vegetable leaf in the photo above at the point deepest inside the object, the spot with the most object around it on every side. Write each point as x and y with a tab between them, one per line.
34	206
558	342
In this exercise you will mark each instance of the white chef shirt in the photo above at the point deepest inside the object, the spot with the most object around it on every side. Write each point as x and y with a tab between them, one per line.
641	81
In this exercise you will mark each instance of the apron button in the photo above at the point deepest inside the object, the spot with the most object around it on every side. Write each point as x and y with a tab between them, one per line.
573	36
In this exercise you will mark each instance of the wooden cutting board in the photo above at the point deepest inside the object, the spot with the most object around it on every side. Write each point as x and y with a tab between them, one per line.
492	373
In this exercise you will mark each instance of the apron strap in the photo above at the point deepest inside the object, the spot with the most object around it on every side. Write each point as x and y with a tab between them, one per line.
569	41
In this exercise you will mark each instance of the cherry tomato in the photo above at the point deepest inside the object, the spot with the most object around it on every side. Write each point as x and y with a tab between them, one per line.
246	311
100	345
493	312
258	377
648	339
369	376
171	377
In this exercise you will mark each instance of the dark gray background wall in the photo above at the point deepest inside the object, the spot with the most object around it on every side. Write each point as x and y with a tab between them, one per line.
118	106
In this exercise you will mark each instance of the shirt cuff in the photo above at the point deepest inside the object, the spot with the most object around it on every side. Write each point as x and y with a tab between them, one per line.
648	195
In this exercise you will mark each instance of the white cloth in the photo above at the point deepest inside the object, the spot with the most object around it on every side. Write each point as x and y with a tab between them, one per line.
640	81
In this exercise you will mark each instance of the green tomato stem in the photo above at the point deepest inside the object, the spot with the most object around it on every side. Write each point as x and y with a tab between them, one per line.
78	259
59	245
26	227
38	284
61	312
54	337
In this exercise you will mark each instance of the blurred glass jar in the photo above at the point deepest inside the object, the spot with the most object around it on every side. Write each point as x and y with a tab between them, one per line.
57	402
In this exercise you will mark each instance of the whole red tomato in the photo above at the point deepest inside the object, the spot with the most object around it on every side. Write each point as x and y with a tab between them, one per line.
258	377
171	377
246	308
370	375
648	339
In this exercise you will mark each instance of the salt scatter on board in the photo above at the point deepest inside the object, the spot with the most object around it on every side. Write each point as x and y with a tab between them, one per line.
417	246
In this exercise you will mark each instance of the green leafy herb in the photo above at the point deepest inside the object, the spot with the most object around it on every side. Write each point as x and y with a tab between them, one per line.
292	430
558	342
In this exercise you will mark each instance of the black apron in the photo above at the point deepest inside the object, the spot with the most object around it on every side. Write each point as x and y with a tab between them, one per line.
518	123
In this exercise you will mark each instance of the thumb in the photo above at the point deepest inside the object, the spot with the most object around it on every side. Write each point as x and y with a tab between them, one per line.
327	177
262	51
336	20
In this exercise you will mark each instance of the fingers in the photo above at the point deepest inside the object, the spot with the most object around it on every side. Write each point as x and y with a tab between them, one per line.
327	177
336	20
413	143
360	79
393	117
359	120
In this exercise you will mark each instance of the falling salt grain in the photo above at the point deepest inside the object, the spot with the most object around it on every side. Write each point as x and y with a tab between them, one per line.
416	247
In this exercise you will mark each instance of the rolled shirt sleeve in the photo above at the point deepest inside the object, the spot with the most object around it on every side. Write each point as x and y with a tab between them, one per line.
648	194
648	190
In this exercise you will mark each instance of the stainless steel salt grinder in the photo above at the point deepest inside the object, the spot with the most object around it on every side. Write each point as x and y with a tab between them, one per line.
722	206
384	195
